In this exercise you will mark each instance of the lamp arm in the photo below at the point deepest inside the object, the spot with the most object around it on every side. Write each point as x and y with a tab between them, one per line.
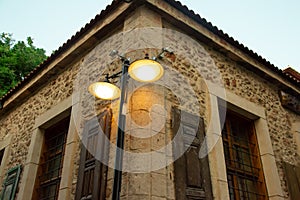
115	75
163	51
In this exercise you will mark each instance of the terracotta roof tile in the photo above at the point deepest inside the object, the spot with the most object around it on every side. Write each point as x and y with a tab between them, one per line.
292	73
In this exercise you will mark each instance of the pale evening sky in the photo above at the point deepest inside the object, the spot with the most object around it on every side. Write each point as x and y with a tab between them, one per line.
269	27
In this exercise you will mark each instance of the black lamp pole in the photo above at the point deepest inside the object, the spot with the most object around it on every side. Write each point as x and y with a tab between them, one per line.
120	136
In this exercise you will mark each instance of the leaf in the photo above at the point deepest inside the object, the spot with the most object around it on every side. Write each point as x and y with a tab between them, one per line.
17	60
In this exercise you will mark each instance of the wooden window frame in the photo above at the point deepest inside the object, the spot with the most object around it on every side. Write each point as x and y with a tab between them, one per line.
49	156
234	172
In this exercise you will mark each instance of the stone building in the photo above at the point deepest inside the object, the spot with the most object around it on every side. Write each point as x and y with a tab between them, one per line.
221	123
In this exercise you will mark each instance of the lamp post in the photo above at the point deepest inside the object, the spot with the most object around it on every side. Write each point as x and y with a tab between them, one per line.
120	135
145	70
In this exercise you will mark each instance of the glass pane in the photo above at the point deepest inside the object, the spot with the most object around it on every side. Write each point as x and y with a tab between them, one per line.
226	152
242	189
231	186
243	159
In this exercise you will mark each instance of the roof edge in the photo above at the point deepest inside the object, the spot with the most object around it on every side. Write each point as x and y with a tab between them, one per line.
230	40
62	49
177	5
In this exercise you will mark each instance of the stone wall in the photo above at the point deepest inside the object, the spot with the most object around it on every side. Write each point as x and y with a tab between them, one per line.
20	121
248	85
237	79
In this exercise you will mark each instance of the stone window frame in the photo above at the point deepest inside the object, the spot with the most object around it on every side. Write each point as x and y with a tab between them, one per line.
4	144
296	134
216	156
58	112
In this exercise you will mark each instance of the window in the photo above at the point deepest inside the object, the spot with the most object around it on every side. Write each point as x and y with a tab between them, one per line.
92	175
52	160
244	172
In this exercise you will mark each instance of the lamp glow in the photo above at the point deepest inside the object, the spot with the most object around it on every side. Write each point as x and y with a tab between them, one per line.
104	90
146	70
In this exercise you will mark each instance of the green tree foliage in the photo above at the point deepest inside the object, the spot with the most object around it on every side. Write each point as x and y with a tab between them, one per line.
17	60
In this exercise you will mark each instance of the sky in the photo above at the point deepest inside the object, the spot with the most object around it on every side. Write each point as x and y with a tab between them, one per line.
270	28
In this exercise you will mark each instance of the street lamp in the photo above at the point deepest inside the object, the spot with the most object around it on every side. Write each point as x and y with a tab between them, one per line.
144	70
104	90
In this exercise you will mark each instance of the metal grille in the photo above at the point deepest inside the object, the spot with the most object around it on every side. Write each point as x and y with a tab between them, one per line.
245	179
49	180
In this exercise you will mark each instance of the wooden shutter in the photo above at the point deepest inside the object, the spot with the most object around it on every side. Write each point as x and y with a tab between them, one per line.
92	175
293	180
10	184
192	174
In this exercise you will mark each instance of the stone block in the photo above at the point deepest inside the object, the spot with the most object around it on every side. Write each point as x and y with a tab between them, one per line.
223	192
67	168
35	147
158	142
276	198
217	161
140	144
158	185
64	193
263	137
271	175
27	180
138	197
139	184
157	198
